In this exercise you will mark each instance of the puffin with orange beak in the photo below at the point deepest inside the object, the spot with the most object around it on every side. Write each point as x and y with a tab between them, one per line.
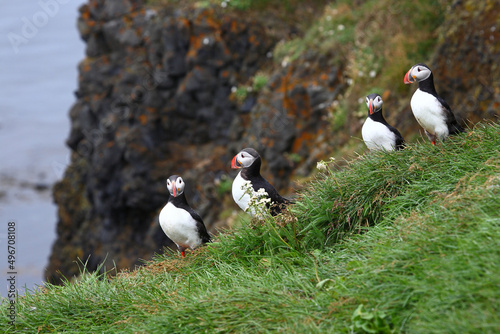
249	161
430	110
179	221
377	133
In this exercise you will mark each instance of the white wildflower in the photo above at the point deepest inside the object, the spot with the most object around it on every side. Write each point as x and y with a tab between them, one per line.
261	191
321	165
264	201
259	200
247	188
285	61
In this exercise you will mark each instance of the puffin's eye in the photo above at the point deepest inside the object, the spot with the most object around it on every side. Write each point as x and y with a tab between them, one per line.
242	155
378	99
418	68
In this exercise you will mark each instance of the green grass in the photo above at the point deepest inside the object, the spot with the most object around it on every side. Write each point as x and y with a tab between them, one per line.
406	241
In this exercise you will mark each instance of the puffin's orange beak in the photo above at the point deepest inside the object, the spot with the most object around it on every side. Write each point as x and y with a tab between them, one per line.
371	107
174	190
408	78
235	164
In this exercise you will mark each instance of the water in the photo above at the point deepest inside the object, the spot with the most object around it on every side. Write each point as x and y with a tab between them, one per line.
39	52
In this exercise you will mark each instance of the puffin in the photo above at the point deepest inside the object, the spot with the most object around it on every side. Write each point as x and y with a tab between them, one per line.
179	221
377	133
249	161
430	110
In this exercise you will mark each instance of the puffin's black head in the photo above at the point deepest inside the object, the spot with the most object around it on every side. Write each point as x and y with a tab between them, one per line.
175	185
374	103
417	73
245	158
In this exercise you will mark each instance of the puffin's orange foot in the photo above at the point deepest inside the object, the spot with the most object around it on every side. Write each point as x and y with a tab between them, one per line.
183	255
433	142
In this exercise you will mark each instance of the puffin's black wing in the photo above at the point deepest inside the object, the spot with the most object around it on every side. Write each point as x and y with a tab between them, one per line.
202	230
277	201
200	226
451	121
400	142
181	202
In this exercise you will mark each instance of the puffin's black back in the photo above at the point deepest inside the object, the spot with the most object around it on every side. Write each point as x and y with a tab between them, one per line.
181	203
451	121
253	173
379	117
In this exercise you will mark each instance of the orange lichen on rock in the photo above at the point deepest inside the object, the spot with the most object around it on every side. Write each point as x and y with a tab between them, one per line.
305	138
143	119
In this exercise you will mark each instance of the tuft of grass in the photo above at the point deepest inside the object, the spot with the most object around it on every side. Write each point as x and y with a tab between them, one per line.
384	185
258	82
395	242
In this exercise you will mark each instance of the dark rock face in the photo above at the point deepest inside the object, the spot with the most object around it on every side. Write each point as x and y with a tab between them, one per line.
466	60
288	125
153	100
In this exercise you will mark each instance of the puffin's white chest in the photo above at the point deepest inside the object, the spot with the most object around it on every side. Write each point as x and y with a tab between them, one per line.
179	226
240	195
428	112
377	136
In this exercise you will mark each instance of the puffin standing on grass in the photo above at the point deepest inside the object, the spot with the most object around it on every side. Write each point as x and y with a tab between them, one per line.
430	110
249	161
377	133
179	221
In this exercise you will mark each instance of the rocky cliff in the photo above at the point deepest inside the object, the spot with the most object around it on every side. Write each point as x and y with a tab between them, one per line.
155	98
173	91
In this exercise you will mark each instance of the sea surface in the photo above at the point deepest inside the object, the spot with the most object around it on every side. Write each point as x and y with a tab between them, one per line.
40	49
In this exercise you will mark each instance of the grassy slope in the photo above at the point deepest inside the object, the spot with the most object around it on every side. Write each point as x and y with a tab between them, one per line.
427	262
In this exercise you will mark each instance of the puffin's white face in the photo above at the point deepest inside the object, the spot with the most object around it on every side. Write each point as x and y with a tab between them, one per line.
417	73
243	160
175	185
374	103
